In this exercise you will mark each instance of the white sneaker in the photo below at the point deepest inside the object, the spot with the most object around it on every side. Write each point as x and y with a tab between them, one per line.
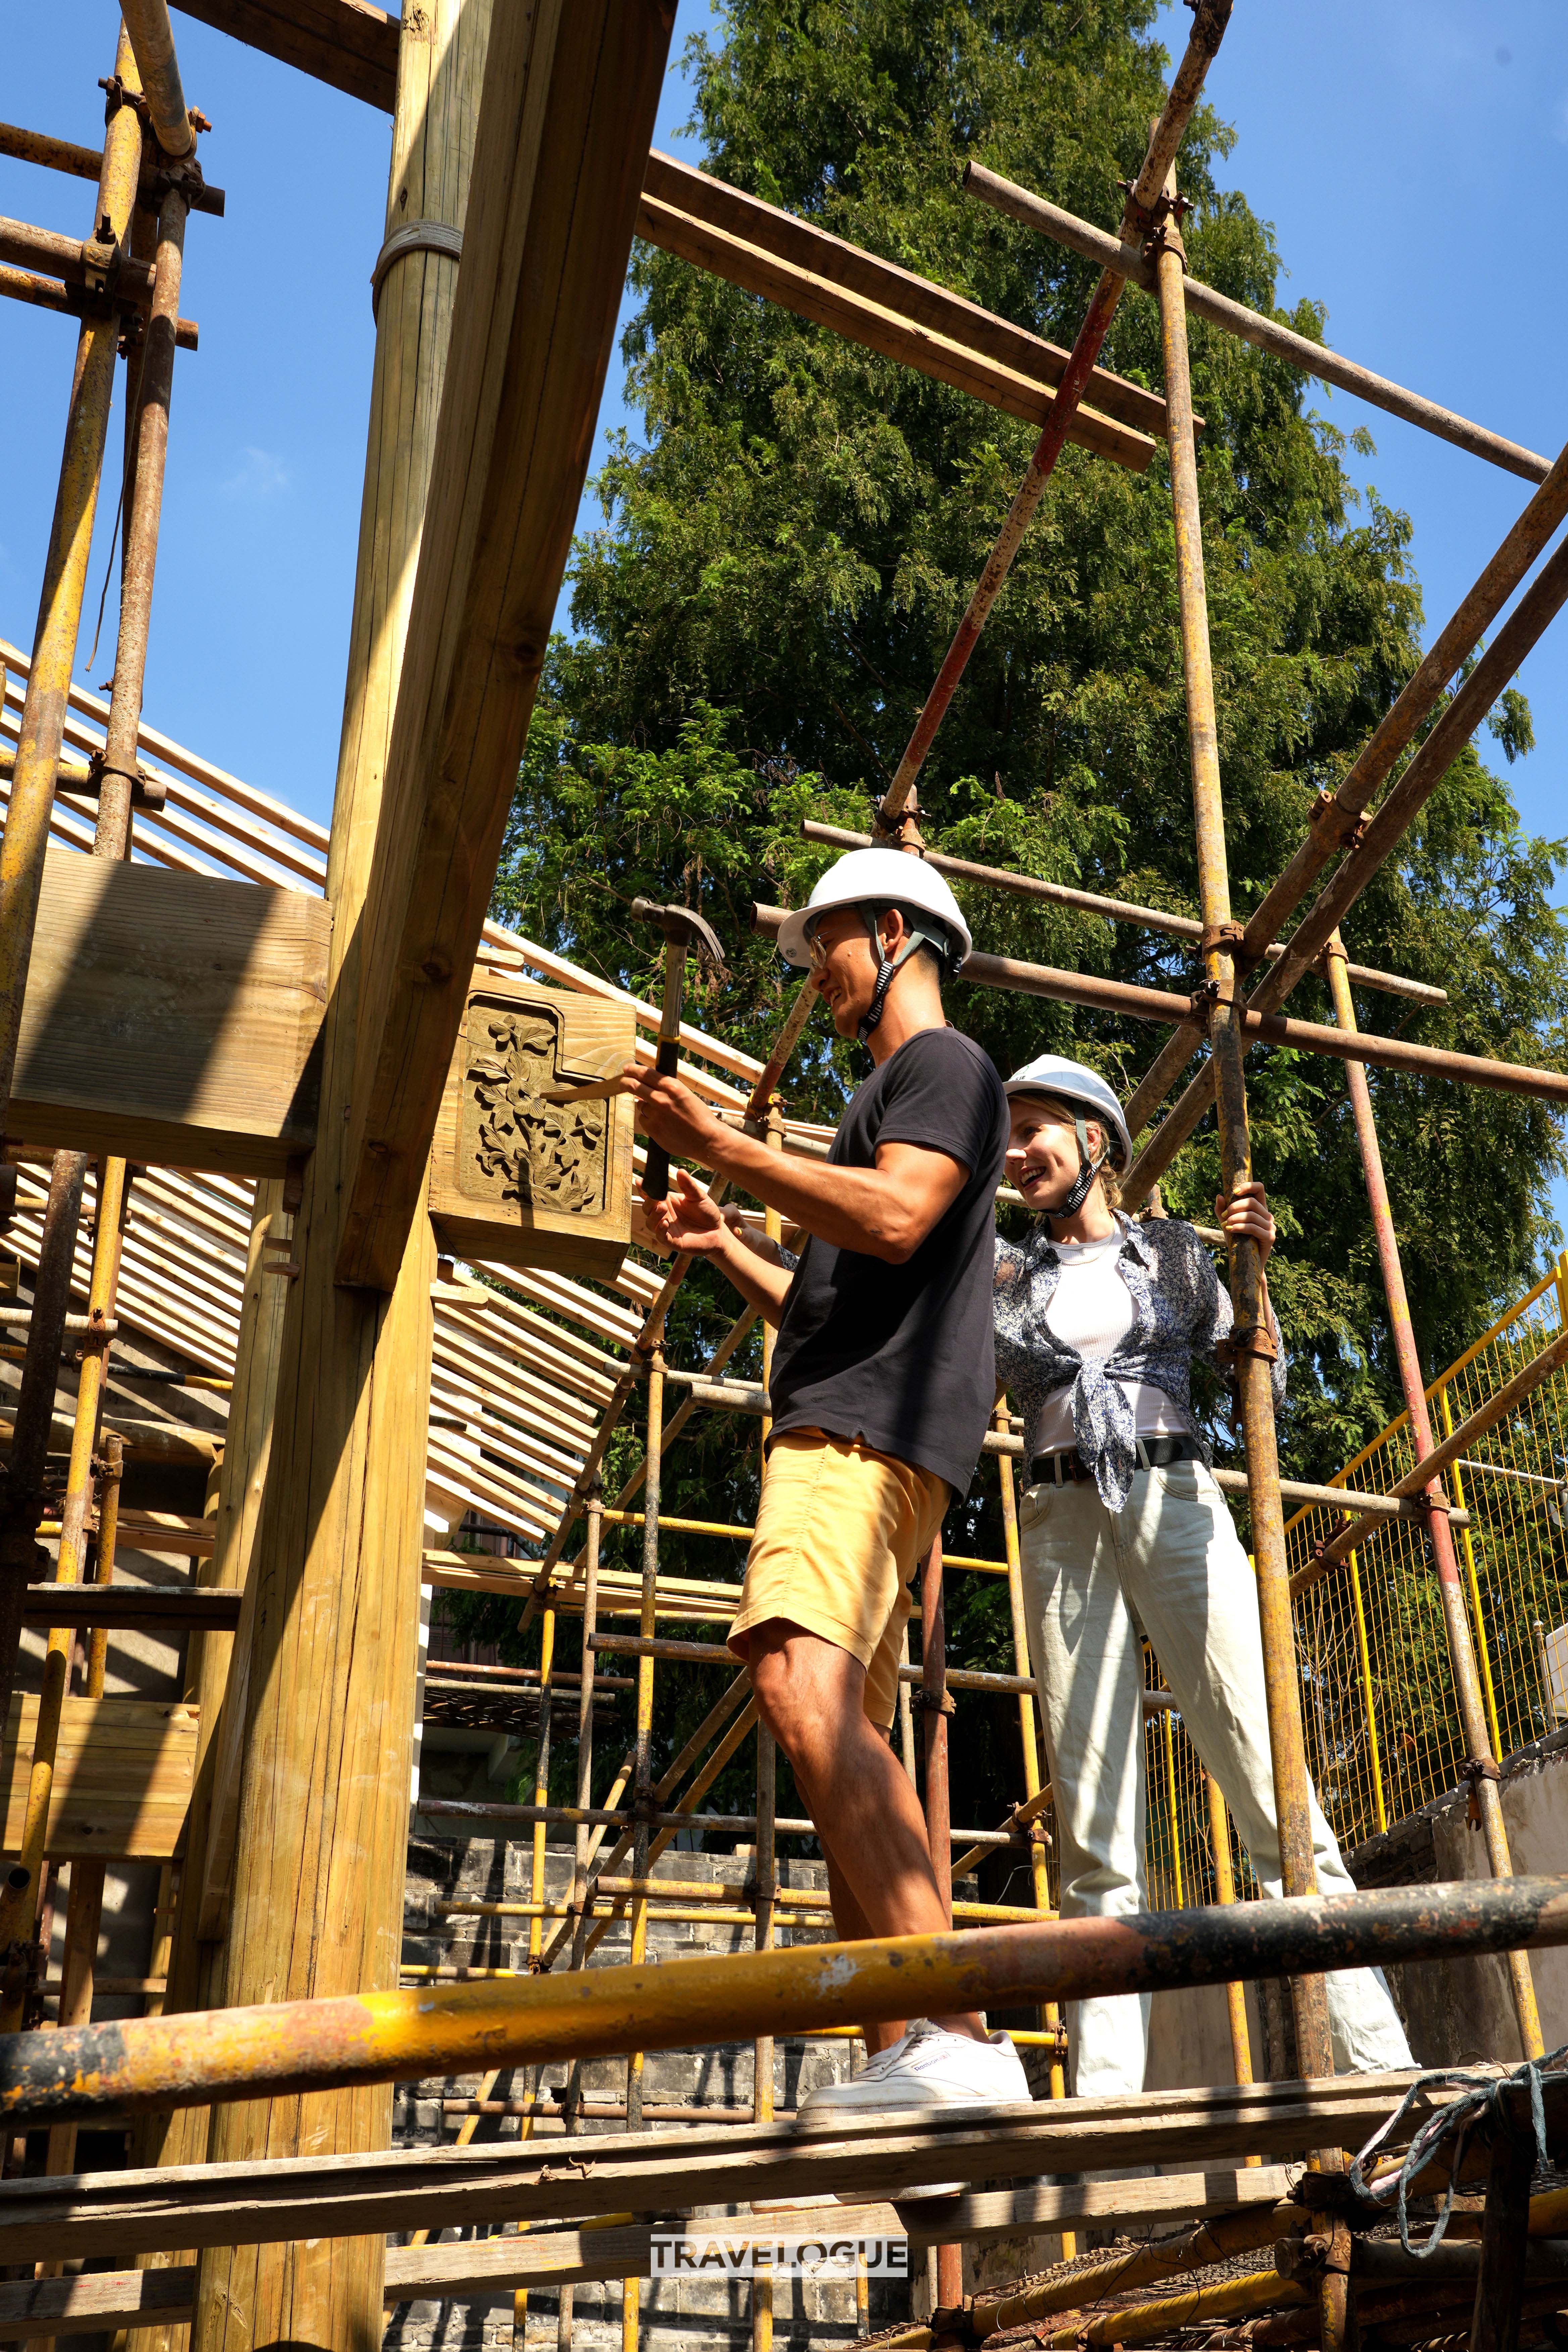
927	2067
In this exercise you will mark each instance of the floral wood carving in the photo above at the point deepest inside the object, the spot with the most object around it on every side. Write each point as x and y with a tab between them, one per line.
512	1146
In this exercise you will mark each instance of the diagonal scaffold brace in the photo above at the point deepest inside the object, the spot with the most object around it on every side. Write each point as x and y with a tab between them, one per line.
1209	21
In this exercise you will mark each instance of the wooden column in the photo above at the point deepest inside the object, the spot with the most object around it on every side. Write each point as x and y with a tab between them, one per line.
334	1581
215	1681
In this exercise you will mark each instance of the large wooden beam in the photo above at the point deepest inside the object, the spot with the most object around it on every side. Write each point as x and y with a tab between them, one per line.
347	43
570	99
216	1683
171	1017
333	1605
858	295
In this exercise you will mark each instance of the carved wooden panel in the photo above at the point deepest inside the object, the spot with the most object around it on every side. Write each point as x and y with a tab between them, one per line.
518	1179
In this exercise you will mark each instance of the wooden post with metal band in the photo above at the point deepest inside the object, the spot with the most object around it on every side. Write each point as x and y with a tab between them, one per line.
320	1846
1481	1767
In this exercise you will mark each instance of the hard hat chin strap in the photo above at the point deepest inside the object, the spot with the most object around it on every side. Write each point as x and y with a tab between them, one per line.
888	965
1087	1169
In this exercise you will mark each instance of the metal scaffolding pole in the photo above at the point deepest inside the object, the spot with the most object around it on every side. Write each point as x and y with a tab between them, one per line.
27	815
1253	1348
1482	1764
1210	19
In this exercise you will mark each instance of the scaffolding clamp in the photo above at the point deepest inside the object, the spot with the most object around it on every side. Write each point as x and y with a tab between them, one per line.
940	1702
100	258
1247	1340
1475	1769
1203	1000
116	95
147	791
1222	935
1348	834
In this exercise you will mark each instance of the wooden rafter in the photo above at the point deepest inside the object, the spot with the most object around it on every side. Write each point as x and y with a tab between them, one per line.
347	43
868	301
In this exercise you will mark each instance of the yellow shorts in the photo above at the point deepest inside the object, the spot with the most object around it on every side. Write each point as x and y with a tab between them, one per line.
840	1531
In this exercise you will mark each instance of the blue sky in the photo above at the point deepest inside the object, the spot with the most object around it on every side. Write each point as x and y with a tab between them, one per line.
1405	152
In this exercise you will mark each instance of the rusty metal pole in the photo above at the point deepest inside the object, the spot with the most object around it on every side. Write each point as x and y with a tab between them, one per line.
642	1779
26	837
15	1903
765	1866
144	512
1481	1763
35	1408
937	1705
64	579
1050	2012
1253	1345
1209	20
111	1470
1225	1888
151	37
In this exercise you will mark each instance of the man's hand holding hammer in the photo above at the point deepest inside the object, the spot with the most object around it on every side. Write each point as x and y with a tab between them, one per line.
884	1211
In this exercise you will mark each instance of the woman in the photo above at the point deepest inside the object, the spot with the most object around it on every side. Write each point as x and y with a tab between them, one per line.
1124	1533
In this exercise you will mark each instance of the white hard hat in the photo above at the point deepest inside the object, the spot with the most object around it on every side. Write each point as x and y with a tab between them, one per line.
877	877
1075	1082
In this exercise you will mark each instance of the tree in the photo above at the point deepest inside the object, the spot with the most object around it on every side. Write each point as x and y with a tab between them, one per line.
785	553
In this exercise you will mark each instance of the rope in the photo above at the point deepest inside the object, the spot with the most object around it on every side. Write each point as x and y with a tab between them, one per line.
1485	2098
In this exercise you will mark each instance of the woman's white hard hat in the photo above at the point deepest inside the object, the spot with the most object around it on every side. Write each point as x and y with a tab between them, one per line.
876	878
1075	1082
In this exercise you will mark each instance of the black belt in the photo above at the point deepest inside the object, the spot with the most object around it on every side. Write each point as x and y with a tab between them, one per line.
1070	1469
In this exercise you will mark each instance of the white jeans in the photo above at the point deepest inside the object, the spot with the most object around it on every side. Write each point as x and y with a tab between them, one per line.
1169	1565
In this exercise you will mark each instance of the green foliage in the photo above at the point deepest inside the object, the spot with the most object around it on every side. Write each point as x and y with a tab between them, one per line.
787	550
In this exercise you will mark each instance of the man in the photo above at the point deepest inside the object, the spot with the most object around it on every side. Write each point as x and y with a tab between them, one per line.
882	1387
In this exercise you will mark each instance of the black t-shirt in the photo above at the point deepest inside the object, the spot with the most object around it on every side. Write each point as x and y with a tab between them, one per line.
901	1355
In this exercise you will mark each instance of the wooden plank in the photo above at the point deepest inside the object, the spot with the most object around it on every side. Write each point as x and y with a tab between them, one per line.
134	1608
124	1770
944	356
347	43
94	2301
171	1017
878	2158
558	172
478	2271
154	1441
672	187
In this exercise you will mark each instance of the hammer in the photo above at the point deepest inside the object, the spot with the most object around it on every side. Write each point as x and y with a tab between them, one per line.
683	930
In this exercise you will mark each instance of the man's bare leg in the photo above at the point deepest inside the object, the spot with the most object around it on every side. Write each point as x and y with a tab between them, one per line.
811	1695
854	1928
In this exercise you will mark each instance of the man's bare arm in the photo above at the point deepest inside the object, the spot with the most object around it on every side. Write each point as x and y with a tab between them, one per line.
884	1212
687	1220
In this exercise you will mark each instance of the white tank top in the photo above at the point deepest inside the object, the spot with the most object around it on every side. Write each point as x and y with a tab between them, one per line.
1091	1312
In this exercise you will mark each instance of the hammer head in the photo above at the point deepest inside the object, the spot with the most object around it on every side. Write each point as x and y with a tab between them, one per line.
686	929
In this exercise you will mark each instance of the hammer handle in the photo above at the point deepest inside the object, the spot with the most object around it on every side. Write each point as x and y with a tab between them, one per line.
656	1167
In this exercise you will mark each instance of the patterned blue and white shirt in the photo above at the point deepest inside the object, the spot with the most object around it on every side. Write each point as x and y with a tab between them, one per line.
1180	1309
